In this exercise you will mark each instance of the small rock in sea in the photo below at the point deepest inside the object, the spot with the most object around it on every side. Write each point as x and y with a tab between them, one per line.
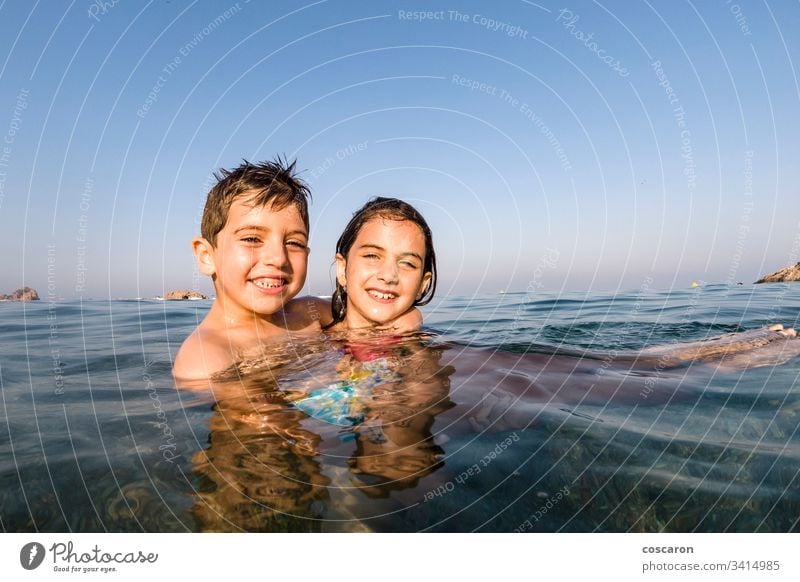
183	294
782	275
24	294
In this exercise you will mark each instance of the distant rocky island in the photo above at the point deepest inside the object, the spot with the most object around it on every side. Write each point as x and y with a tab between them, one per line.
24	294
782	275
183	294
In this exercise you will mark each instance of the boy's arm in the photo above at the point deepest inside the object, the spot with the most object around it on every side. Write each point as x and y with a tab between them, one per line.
317	309
411	320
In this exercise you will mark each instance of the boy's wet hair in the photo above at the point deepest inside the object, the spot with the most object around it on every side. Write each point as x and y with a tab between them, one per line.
391	209
263	183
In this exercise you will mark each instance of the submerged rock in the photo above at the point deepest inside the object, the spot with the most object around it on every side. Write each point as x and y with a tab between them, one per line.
183	294
785	274
24	294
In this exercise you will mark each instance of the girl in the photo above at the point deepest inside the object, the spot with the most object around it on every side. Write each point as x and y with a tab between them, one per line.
385	267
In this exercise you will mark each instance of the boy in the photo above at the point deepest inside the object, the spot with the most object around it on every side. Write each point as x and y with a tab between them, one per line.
254	246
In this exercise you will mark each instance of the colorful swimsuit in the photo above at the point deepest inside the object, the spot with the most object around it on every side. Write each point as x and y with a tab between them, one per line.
343	403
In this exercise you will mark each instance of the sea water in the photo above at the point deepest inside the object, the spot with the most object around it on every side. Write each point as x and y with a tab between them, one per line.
94	435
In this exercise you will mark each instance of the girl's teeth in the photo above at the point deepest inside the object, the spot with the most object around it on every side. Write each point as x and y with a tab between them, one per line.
381	295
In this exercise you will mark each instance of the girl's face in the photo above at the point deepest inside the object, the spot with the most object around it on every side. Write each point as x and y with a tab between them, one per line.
382	272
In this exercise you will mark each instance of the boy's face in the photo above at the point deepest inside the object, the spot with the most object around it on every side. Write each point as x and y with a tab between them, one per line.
260	259
383	272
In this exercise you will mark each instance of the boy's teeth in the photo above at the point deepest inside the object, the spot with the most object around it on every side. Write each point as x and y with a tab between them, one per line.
268	283
378	295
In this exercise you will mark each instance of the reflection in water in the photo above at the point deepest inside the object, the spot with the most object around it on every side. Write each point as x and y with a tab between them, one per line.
395	446
286	454
260	471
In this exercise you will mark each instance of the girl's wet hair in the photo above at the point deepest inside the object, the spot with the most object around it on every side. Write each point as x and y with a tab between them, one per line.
388	209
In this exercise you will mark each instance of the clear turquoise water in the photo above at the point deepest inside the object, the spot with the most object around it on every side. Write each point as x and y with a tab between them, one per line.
95	437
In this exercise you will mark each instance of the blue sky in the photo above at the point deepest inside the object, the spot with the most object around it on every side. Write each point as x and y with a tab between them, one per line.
552	146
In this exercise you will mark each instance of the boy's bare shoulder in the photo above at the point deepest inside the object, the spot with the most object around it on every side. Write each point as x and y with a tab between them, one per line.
213	347
204	353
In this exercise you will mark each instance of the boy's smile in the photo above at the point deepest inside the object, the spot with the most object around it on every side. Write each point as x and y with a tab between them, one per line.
383	271
260	260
